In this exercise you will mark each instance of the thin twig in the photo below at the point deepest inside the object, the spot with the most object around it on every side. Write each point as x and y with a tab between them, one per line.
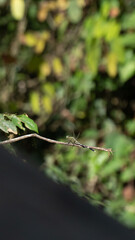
53	141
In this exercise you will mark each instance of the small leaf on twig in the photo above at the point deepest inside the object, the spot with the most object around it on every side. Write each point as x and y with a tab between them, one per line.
7	125
29	123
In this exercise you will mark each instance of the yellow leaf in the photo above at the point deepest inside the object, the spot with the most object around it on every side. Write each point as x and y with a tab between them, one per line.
30	39
81	114
40	45
45	35
52	5
49	89
47	104
112	64
44	70
35	102
62	4
17	8
43	11
59	18
81	3
57	66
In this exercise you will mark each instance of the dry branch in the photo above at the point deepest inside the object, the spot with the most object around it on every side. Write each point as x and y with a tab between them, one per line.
16	139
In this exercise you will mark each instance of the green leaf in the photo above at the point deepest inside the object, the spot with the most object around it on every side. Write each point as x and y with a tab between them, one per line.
128	21
29	123
7	125
128	40
1	117
2	2
130	127
10	126
2	126
112	30
112	167
105	8
128	174
120	144
74	12
116	46
16	121
93	55
127	70
10	122
128	216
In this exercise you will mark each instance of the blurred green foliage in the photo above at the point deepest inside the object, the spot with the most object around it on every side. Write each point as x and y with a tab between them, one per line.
70	65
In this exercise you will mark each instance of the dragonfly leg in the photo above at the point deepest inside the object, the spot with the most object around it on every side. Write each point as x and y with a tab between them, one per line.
92	149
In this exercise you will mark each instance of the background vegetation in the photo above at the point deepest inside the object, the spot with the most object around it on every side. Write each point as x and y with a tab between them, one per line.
70	65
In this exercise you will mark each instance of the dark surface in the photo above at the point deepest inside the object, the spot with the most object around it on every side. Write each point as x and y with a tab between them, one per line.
33	207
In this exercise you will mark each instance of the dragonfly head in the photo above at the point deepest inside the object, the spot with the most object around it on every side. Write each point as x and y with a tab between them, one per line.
67	137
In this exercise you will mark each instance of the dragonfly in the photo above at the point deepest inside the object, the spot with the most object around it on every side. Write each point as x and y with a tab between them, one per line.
74	141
